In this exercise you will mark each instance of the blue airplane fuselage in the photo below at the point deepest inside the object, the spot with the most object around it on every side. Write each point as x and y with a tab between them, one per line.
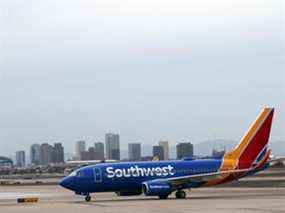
130	176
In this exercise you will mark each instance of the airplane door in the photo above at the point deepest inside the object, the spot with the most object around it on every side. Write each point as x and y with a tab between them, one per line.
97	175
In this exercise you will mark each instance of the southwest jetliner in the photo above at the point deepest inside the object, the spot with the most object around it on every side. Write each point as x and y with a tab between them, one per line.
161	178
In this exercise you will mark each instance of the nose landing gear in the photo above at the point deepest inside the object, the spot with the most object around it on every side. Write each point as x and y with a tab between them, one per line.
88	198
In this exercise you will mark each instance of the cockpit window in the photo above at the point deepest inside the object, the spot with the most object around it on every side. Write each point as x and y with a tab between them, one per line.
81	174
74	173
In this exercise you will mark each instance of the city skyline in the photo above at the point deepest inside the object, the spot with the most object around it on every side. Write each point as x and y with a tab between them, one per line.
46	154
175	150
146	148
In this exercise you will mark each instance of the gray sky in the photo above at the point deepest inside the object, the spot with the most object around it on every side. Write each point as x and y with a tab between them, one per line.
148	70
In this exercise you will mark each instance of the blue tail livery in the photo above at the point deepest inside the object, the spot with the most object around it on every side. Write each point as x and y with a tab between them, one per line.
161	178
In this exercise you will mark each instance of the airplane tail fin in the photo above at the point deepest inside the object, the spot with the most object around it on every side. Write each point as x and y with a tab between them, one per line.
253	146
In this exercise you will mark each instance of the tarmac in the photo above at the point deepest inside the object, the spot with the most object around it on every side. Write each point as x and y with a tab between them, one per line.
54	199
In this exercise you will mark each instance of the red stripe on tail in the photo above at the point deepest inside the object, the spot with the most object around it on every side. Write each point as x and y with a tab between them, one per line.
257	143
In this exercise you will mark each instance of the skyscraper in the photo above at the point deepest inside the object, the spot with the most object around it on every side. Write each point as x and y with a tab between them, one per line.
99	151
58	155
112	142
46	154
80	147
165	146
184	150
20	159
134	151
88	155
35	152
157	151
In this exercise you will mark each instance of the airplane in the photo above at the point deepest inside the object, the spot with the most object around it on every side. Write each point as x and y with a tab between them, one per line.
161	178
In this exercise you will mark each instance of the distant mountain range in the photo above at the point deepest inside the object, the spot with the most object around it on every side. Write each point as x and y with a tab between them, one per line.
278	148
206	147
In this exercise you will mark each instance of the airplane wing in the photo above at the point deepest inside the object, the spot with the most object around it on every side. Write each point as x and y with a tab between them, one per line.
206	177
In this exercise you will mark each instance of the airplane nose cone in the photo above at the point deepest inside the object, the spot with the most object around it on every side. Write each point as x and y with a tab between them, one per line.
65	182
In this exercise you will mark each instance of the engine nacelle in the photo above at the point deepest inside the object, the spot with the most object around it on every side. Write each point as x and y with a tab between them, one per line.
156	188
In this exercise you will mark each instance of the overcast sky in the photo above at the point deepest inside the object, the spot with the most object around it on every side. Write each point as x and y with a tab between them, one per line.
148	70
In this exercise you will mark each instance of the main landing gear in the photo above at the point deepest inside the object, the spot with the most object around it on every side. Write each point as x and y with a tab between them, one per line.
163	196
87	198
180	194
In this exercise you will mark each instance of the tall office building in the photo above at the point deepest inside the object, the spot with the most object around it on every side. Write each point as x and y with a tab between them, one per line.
184	150
58	153
80	147
20	159
35	152
157	151
88	155
46	154
99	151
134	151
165	146
112	143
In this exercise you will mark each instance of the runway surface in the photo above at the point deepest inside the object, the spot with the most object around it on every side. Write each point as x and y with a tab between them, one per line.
54	199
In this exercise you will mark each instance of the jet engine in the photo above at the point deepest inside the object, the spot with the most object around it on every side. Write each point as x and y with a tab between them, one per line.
157	188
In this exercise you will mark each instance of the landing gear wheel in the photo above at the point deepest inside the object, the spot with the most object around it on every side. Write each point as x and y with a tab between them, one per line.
163	197
180	194
87	198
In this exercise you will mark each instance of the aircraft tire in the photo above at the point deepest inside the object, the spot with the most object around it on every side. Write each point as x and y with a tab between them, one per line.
180	194
88	198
